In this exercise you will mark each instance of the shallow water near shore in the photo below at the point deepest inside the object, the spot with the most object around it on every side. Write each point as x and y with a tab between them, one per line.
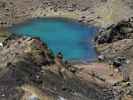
71	38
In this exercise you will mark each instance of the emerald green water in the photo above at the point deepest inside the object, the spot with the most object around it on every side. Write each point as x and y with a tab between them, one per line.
71	38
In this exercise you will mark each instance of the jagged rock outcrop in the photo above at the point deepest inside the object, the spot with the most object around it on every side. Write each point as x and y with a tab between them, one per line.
122	30
115	43
116	40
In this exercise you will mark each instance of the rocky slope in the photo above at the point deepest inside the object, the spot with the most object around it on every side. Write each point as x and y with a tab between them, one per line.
29	70
116	40
115	43
99	12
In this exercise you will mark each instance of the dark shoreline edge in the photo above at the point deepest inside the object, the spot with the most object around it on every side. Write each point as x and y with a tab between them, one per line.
59	18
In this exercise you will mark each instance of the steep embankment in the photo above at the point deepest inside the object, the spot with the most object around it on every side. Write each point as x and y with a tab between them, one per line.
29	70
99	12
113	11
115	44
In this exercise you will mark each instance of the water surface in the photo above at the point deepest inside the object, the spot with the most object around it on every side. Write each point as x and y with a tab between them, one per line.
71	38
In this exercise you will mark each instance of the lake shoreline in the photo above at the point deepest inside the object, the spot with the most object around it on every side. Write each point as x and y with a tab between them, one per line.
78	28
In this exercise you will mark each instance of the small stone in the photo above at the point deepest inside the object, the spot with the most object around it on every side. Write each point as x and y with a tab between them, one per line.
60	55
101	57
3	95
33	97
116	70
61	98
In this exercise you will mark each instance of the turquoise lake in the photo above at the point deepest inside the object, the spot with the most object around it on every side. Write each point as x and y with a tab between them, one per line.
71	38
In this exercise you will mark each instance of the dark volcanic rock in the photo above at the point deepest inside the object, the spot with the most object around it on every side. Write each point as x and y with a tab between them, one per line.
123	30
116	40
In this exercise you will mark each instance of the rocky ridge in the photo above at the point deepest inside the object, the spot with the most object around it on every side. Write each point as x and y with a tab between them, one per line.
28	69
115	43
99	12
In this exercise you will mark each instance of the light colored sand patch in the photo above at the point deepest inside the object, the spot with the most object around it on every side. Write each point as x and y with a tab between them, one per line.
31	91
40	12
101	71
4	35
112	12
